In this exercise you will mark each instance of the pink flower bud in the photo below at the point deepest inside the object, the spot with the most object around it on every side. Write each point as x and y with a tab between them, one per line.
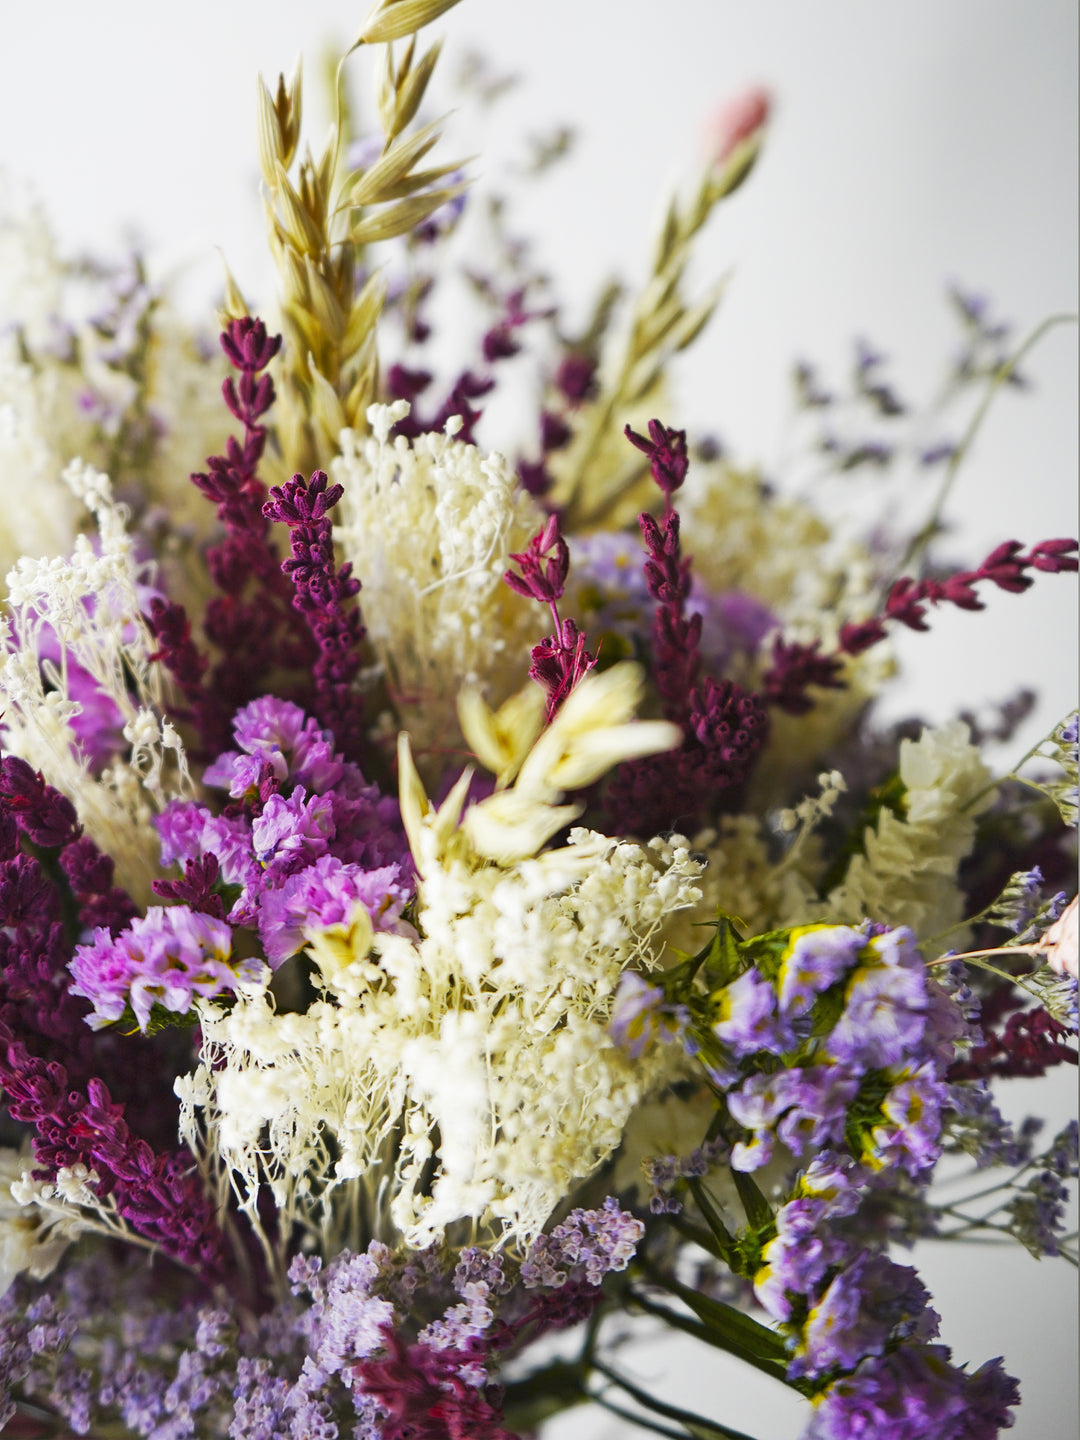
736	120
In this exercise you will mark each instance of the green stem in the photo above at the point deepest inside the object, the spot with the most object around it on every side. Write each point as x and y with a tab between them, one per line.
923	536
711	1337
639	1420
670	1412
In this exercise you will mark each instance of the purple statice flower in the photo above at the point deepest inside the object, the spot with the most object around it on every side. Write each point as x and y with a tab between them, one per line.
164	958
884	1018
1036	1216
664	1171
748	1020
588	1245
976	1126
909	1134
291	833
324	894
795	1261
299	801
869	1303
732	623
836	1181
820	1108
640	1014
367	825
278	733
914	1393
1063	1156
818	957
190	832
757	1105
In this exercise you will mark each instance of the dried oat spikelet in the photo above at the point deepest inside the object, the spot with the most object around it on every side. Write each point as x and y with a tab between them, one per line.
320	218
596	483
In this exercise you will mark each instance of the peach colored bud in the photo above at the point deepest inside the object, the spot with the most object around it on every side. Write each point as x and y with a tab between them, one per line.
736	120
1059	944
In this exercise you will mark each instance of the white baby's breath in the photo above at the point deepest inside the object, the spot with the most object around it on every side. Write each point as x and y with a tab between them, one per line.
429	525
91	602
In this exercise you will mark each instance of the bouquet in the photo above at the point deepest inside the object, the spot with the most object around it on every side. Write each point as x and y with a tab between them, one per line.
460	912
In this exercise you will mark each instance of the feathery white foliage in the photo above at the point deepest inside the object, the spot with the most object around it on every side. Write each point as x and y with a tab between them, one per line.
429	526
907	873
90	601
490	1028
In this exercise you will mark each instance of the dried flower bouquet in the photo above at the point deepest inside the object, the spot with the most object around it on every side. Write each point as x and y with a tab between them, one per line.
447	900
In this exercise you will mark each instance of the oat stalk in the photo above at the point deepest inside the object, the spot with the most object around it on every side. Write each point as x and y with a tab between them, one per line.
321	217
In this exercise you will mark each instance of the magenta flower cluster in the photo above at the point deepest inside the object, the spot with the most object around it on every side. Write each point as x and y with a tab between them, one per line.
303	840
164	959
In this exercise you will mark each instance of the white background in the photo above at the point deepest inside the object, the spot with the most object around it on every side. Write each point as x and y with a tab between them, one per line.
913	144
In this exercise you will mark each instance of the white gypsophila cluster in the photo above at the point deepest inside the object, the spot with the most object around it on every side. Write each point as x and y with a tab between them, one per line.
37	403
39	515
778	550
90	603
907	871
429	526
33	1232
489	1033
772	547
465	1073
66	391
743	878
39	1219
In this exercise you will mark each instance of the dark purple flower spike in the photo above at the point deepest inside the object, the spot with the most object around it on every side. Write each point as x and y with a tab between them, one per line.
322	594
562	659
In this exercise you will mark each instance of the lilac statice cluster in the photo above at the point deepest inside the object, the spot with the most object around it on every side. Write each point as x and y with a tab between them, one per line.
830	1046
163	959
914	1392
866	1037
303	842
837	1300
348	1353
303	838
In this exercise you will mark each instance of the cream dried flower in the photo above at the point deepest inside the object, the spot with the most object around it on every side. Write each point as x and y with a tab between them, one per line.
429	526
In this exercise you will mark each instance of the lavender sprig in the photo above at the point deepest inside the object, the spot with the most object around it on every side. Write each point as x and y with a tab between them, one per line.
322	595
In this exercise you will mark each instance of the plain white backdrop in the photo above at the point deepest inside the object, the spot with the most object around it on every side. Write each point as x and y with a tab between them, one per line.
912	145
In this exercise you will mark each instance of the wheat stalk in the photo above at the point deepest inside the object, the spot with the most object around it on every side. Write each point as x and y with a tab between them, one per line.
594	482
320	219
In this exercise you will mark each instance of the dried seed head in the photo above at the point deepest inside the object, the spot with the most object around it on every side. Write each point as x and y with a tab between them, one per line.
394	19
